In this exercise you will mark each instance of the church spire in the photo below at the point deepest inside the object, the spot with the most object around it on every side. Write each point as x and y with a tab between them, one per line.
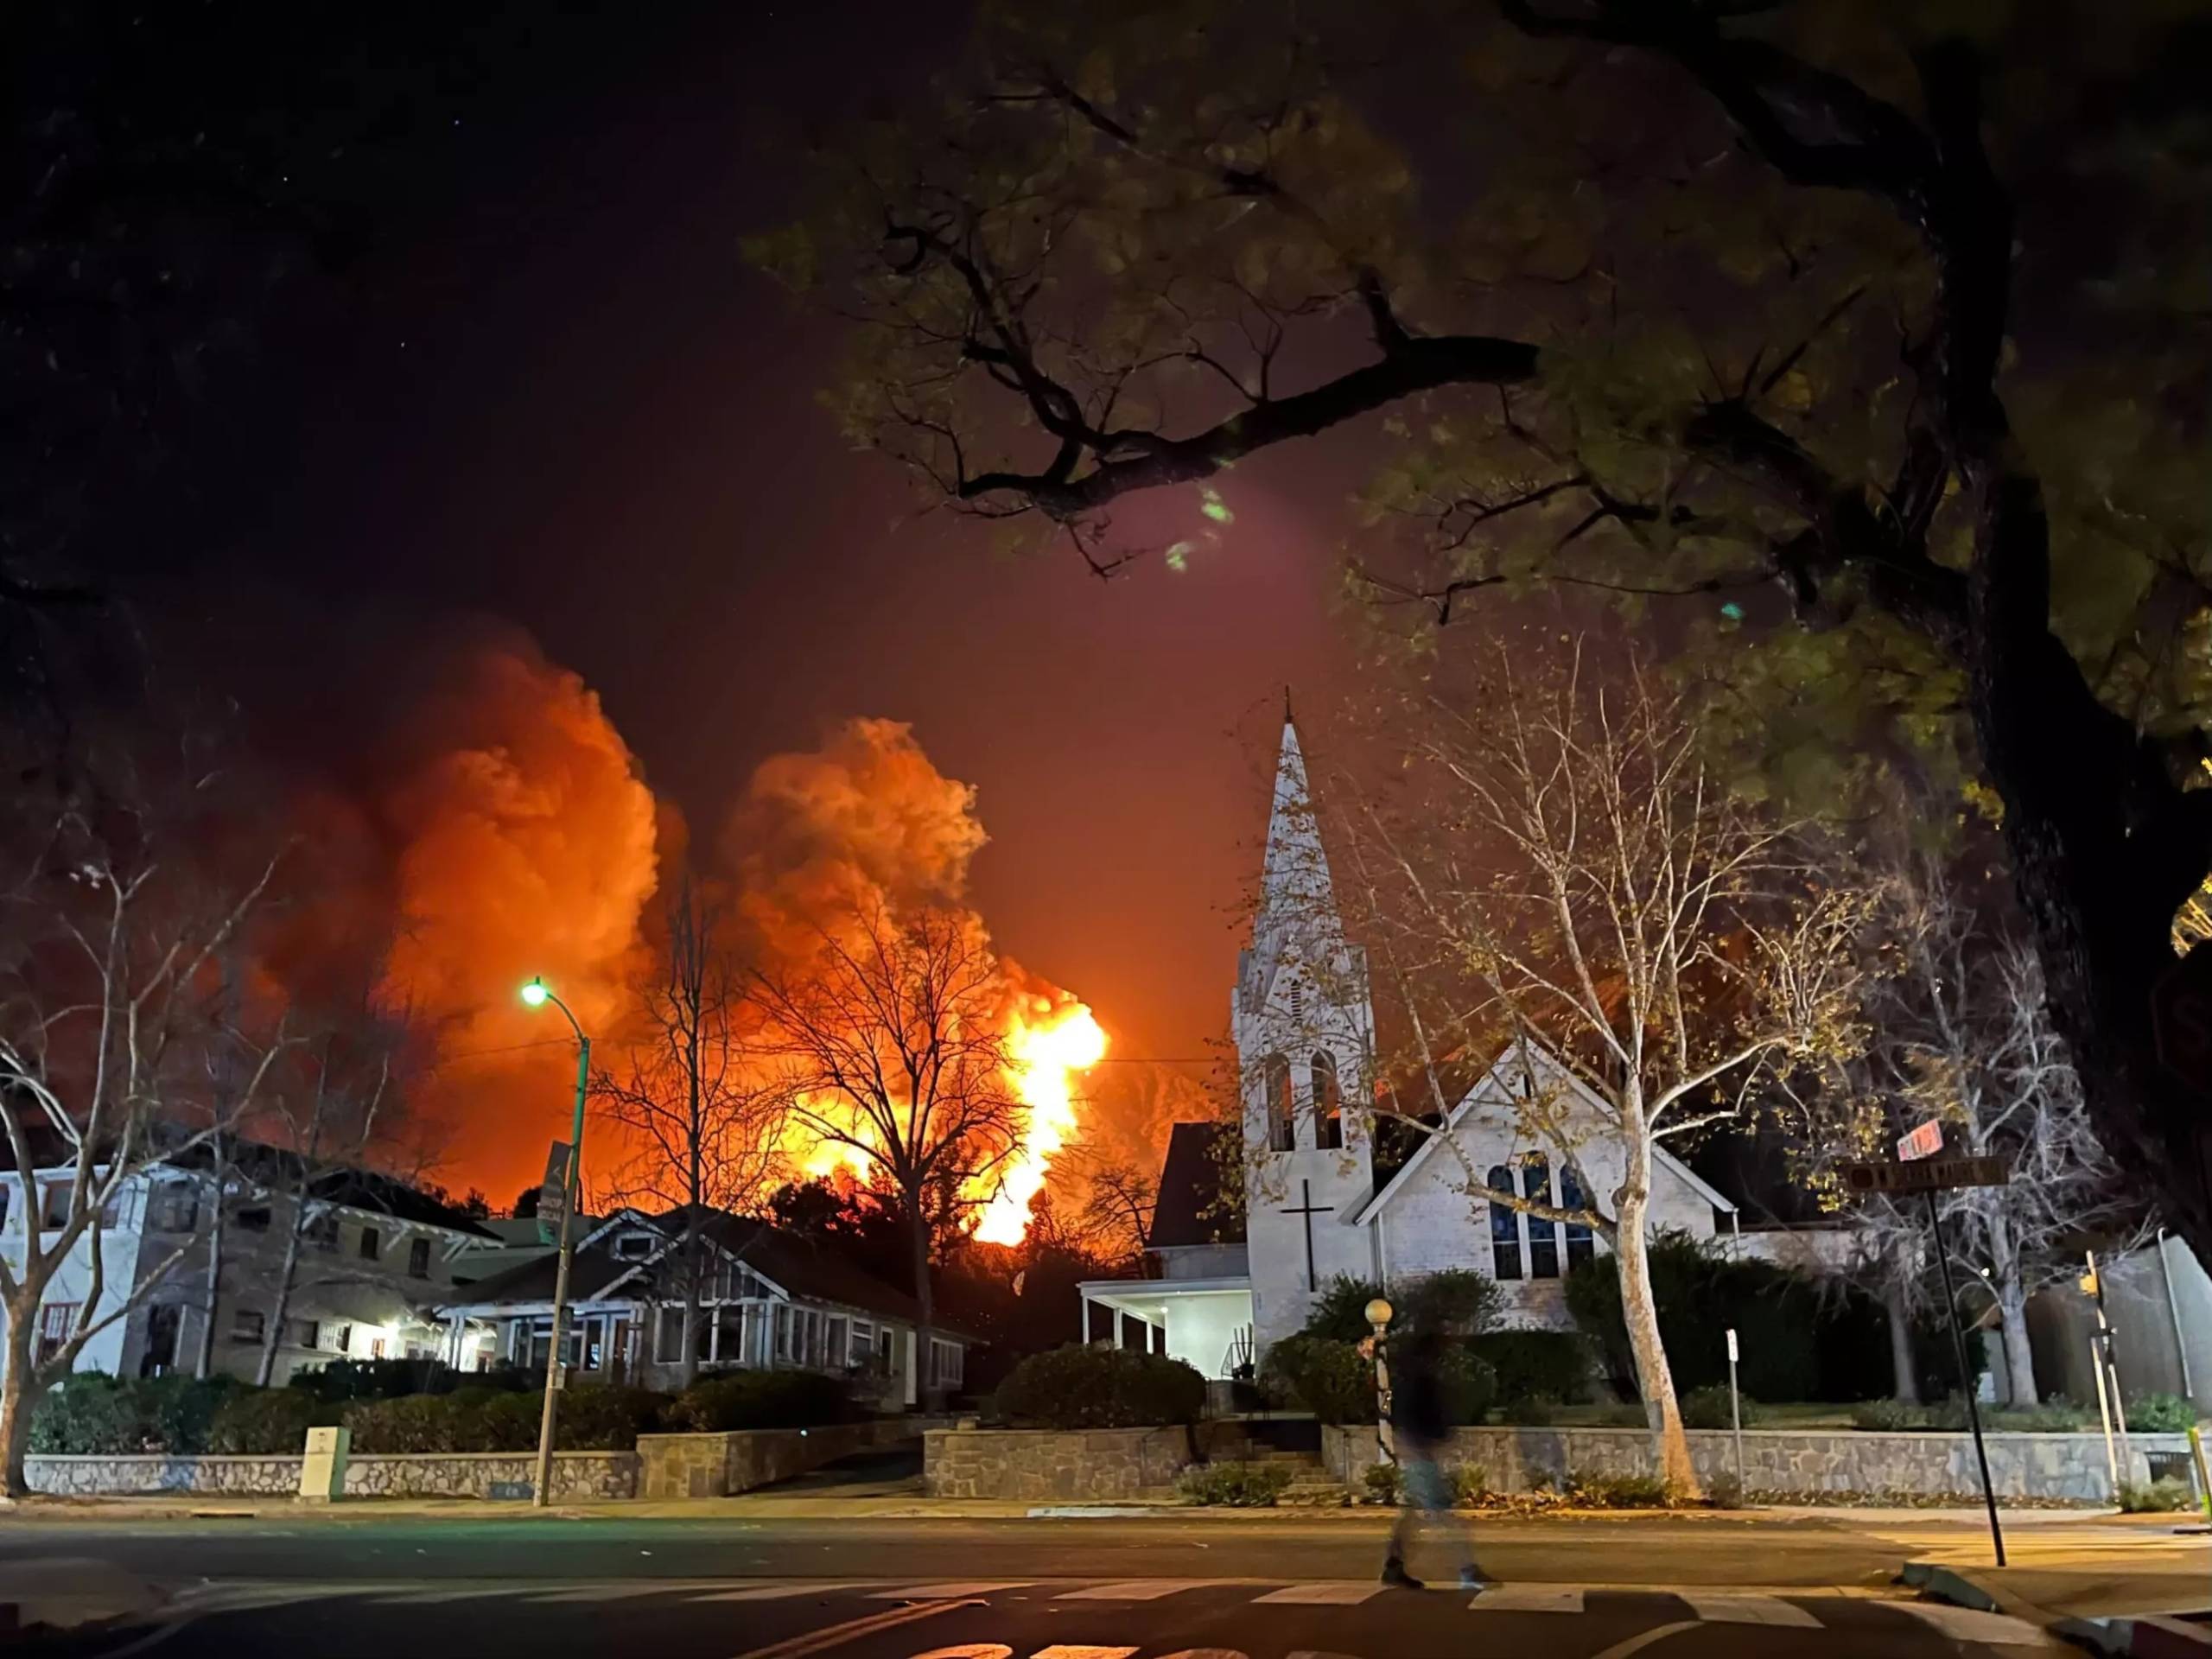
1296	895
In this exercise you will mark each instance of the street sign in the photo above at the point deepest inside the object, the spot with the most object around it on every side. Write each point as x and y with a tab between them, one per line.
2181	1018
1924	1142
1927	1175
553	1193
1732	1354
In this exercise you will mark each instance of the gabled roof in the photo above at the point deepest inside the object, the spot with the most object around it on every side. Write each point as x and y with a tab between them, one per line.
1189	1183
1545	1059
366	1190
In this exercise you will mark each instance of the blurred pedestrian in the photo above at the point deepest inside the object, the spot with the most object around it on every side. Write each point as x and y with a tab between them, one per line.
1419	1430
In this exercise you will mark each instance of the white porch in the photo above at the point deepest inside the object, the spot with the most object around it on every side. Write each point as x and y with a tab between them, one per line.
1205	1323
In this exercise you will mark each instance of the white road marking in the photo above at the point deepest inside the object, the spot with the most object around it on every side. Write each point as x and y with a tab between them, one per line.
1528	1598
948	1592
780	1592
1968	1624
1131	1590
1644	1639
1083	1653
605	1592
428	1597
1321	1595
1747	1610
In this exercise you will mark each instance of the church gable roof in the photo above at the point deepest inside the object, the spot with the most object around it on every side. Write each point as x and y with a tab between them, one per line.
1496	1086
1190	1184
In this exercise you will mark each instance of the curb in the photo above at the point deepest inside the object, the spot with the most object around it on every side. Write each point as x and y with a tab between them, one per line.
2146	1636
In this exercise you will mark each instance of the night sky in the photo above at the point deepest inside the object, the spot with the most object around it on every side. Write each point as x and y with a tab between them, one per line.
552	392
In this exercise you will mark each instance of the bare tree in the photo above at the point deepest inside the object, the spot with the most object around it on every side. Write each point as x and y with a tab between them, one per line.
695	1093
107	1004
1567	878
1965	1037
893	1047
1117	1217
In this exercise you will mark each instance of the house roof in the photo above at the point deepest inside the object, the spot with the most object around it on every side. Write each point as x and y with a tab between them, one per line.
1665	1158
1189	1183
368	1190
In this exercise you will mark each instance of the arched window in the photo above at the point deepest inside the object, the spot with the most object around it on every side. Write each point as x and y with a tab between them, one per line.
1282	1117
1504	1228
1328	1103
1580	1247
1543	1235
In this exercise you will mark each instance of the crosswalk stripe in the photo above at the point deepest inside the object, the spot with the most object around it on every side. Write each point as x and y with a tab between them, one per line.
780	1592
947	1592
605	1592
1747	1610
1319	1595
1130	1590
1967	1625
1529	1598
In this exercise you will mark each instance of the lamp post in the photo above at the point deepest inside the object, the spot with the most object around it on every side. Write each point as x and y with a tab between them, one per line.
537	993
1378	1320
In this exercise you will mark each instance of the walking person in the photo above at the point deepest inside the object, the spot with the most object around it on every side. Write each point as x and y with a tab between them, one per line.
1418	1429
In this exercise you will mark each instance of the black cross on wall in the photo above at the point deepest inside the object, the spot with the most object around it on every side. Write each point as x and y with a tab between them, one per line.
1307	1209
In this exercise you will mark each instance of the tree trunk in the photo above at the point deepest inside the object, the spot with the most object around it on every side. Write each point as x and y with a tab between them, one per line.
265	1370
690	1360
917	1230
1640	1311
1904	1376
203	1362
19	1395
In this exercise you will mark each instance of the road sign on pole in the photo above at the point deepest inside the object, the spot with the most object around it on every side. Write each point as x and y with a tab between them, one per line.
1927	1175
1924	1142
553	1193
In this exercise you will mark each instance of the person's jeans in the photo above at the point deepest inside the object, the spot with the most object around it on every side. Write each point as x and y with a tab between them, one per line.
1426	1496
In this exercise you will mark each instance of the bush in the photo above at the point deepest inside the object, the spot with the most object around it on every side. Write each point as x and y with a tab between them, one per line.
1889	1416
1707	1408
2159	1496
1384	1483
1538	1411
601	1417
266	1421
1467	1384
1456	1301
1616	1492
1622	1416
1237	1485
1097	1387
2161	1414
1724	1491
1553	1363
739	1400
1322	1375
342	1381
1470	1486
90	1414
1340	1310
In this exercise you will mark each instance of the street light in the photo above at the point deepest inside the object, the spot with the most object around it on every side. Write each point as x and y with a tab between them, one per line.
1378	1313
537	993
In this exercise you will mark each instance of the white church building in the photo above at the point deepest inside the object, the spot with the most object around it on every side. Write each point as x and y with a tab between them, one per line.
1304	1025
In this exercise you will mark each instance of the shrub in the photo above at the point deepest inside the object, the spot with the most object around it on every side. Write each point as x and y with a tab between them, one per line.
1324	1377
1553	1363
1470	1486
1537	1411
1467	1384
342	1381
1099	1387
1456	1301
1384	1483
1238	1485
90	1414
1889	1416
1724	1491
2161	1414
602	1417
741	1400
1622	1416
2158	1497
1707	1408
266	1421
1339	1313
2052	1417
1616	1492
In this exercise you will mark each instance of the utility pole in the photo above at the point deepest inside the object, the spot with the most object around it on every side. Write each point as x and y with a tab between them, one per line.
536	994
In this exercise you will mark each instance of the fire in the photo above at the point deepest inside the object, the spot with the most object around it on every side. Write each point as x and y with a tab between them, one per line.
1048	1058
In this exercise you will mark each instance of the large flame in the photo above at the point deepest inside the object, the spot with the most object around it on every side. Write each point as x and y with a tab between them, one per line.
1048	1058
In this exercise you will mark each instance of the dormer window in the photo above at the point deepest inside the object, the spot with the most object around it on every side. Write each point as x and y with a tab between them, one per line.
633	1247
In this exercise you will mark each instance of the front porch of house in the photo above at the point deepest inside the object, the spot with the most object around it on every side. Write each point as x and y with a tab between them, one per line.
1205	1323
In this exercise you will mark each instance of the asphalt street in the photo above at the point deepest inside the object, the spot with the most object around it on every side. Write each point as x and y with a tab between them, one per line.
1001	1618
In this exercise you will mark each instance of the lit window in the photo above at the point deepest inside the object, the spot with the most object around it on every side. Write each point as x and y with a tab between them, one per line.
1328	1103
1543	1235
1579	1245
1504	1227
1282	1117
57	1321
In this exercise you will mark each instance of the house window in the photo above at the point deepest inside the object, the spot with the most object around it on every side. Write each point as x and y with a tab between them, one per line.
1579	1245
884	1361
1328	1103
1504	1227
782	1333
179	1210
667	1337
418	1258
372	1246
307	1333
56	1320
833	1353
164	1321
254	1220
248	1325
946	1367
633	1246
53	1206
729	1334
344	1344
1282	1120
7	1195
1543	1235
321	1231
1298	999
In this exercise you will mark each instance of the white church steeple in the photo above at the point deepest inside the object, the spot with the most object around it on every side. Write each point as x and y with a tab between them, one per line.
1305	1032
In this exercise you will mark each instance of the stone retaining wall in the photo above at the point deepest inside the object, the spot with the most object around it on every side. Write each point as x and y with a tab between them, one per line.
577	1475
717	1465
1078	1465
1807	1462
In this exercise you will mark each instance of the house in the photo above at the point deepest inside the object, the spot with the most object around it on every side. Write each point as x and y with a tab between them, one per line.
372	1250
769	1298
1321	1200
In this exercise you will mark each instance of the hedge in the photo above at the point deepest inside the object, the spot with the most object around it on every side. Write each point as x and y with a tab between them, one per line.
1094	1386
346	1380
1537	1364
738	1400
1333	1381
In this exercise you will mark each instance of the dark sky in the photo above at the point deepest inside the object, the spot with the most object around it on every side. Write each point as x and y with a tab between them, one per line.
553	393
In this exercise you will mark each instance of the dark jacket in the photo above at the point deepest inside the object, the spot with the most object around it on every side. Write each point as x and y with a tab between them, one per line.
1417	1399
